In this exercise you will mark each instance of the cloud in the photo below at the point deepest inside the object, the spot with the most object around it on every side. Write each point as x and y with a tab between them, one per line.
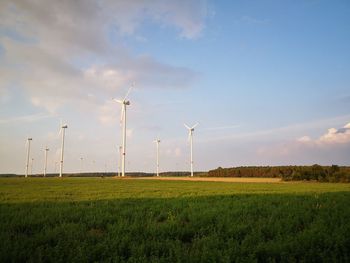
328	144
227	127
281	133
304	139
334	136
26	118
109	113
61	51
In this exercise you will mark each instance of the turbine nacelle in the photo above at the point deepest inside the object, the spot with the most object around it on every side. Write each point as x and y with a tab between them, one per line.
191	129
123	102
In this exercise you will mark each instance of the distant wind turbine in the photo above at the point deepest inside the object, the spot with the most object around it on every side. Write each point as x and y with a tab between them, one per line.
45	165
123	104
157	143
62	131
190	138
28	155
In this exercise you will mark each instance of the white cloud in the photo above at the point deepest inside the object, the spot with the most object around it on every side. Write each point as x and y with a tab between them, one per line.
304	139
26	118
109	113
330	142
60	52
334	136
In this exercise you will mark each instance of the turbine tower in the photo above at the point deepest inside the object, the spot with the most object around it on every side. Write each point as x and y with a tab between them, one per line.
45	165
190	138
28	155
157	143
62	131
123	104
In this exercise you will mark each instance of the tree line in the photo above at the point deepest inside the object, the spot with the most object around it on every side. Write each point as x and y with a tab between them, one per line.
315	172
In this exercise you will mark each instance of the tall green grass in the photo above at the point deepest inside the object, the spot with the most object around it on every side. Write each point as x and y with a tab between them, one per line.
94	219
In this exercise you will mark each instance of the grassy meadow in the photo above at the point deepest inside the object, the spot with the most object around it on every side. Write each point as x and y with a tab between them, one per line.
114	220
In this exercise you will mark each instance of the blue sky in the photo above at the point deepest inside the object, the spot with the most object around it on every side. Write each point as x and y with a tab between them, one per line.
268	81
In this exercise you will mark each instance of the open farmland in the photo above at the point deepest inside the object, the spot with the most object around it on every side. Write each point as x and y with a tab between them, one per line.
94	219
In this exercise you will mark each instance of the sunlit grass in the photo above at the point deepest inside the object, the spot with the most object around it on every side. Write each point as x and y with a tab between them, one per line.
82	189
95	219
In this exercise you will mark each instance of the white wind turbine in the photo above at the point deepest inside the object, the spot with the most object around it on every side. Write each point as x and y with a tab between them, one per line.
28	155
123	104
45	165
157	141
190	138
63	132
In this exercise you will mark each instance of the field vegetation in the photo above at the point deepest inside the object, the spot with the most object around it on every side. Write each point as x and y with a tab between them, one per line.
107	219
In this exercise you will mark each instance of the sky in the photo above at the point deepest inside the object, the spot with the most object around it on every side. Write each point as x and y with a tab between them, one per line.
268	81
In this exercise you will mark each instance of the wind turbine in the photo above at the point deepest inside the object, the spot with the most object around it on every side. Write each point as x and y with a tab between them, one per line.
123	104
62	131
157	141
28	155
190	138
45	166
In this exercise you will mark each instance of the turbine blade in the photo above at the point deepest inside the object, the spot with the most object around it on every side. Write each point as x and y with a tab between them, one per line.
119	101
187	126
127	94
189	136
194	125
60	129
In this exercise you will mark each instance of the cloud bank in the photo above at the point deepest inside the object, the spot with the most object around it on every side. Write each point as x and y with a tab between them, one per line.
62	52
332	137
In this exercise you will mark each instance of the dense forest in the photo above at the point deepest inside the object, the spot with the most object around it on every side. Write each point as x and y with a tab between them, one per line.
315	172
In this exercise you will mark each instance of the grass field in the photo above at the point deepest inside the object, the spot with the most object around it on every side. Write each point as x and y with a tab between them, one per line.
95	219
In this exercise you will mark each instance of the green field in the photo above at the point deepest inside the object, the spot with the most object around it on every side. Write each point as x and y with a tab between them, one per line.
95	219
